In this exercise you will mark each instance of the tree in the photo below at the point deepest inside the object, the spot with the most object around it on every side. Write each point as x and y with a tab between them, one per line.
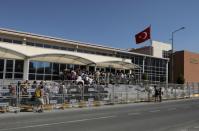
180	79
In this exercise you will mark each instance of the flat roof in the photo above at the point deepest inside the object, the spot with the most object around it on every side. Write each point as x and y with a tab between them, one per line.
71	42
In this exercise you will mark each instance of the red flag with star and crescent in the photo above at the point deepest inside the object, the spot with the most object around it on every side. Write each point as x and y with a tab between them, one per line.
143	35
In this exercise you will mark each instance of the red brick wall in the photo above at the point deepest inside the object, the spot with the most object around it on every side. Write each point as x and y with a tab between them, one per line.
187	64
191	64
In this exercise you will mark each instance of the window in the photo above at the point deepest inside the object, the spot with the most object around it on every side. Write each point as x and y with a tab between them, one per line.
48	67
31	76
166	54
32	67
55	47
19	65
1	65
63	48
62	67
30	43
8	75
55	68
18	76
9	66
40	67
39	45
17	42
7	40
47	46
39	77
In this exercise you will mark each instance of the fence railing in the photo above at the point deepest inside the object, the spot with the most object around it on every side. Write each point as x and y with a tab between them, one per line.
68	94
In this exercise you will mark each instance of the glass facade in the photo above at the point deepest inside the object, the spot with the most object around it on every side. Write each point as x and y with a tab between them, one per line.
47	70
154	68
11	69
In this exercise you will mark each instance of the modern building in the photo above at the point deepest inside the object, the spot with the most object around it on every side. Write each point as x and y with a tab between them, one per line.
157	49
27	56
186	64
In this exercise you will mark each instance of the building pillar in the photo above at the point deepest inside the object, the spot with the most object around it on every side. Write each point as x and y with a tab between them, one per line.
143	64
167	72
26	69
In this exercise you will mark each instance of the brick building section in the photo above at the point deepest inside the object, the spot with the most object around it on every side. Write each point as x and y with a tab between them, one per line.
187	64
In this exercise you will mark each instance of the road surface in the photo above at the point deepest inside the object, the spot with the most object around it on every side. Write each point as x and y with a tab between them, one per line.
180	115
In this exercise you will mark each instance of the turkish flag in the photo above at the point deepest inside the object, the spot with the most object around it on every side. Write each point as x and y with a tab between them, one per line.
143	36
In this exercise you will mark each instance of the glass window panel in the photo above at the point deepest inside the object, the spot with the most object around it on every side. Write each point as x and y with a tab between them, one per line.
30	43
47	77
19	65
55	77
48	67
62	67
40	67
18	75
9	66
76	67
1	64
55	47
70	66
1	75
55	68
39	77
47	46
17	42
63	48
39	45
31	76
8	75
32	66
7	40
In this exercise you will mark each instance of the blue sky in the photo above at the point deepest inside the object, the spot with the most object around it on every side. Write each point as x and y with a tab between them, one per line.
107	22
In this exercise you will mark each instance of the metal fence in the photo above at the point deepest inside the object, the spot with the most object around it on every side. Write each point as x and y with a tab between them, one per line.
60	95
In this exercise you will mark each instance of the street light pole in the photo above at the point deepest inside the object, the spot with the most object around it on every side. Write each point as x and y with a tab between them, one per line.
172	55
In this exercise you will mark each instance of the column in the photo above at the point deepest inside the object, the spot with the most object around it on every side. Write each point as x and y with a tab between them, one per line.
143	64
26	69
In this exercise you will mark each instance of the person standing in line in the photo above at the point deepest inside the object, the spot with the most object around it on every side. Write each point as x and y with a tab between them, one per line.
160	94
156	93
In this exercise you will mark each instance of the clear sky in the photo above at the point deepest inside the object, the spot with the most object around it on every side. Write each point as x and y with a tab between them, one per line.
107	22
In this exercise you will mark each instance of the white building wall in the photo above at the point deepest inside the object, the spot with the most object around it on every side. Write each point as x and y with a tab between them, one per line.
158	48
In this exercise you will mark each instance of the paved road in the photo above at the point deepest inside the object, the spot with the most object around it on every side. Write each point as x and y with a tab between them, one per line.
166	116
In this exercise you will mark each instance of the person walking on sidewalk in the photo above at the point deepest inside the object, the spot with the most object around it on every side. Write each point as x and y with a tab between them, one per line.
39	94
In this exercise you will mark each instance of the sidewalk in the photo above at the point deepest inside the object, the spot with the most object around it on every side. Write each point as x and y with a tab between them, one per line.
22	114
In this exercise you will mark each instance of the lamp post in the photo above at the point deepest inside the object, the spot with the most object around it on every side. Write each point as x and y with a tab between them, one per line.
172	58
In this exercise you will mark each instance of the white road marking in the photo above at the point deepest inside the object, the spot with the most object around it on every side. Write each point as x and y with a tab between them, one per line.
153	111
171	109
133	114
58	123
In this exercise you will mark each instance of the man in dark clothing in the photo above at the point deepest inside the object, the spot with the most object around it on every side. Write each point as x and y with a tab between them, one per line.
156	93
160	94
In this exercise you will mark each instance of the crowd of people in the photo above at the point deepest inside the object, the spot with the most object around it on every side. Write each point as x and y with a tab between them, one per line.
98	77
